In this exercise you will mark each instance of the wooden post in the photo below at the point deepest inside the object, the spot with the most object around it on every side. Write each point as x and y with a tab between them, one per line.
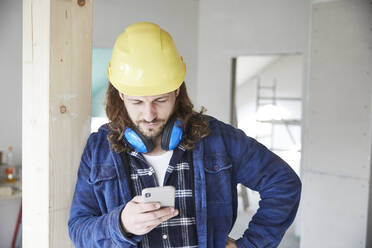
57	52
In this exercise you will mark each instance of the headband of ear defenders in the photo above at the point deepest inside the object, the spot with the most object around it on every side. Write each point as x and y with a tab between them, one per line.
171	137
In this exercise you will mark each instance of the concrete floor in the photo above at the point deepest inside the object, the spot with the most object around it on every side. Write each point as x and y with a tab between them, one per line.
289	240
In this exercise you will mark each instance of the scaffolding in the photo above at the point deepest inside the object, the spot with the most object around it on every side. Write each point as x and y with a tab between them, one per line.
271	98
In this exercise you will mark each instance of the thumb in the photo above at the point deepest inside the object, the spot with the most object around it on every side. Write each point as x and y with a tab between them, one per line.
137	199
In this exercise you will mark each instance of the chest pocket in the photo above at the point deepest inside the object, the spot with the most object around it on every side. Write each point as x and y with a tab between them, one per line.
101	173
216	164
218	174
104	181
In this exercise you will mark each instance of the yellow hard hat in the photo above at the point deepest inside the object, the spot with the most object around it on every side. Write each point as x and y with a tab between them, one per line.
145	61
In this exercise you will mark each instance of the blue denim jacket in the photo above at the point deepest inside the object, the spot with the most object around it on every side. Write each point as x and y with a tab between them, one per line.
221	160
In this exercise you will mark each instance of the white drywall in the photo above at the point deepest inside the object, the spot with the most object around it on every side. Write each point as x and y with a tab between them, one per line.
229	29
178	17
11	76
337	129
10	102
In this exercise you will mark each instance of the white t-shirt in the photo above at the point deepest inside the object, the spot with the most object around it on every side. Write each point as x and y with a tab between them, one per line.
160	164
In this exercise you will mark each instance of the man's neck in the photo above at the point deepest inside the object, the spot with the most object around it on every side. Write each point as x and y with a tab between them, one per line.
157	149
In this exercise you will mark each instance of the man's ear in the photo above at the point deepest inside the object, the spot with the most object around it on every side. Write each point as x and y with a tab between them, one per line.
177	92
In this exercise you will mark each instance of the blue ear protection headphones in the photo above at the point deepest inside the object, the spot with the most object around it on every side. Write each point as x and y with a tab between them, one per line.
171	137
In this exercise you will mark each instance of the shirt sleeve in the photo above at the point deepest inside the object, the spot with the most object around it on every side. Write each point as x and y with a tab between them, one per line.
88	227
261	170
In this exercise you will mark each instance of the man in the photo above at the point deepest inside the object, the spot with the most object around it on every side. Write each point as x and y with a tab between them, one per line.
155	138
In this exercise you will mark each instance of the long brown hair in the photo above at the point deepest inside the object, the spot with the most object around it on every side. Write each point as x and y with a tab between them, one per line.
195	124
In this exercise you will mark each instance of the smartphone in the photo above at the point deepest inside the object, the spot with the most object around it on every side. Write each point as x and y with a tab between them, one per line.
164	195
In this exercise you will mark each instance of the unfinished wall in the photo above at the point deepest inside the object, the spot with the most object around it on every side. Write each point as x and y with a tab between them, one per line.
337	132
178	17
233	28
10	102
11	76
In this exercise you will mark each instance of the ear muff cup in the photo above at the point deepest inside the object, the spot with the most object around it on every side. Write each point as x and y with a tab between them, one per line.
167	132
140	143
172	135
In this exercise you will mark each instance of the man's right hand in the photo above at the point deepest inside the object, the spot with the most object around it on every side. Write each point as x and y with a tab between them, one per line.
140	218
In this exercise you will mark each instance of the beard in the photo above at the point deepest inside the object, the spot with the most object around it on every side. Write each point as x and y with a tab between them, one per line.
149	132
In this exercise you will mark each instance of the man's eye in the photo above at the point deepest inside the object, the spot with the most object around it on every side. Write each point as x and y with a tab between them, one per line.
162	100
136	102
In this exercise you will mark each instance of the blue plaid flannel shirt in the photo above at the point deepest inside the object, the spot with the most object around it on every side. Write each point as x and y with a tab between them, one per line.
179	231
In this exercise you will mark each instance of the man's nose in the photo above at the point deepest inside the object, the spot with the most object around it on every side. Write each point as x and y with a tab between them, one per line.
149	113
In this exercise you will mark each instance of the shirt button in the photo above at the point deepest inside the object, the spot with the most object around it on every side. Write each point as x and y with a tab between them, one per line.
165	236
150	173
216	167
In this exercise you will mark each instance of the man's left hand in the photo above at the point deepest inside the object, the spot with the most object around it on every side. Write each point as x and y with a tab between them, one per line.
230	243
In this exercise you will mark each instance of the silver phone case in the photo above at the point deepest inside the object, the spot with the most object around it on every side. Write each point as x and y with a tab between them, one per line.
164	195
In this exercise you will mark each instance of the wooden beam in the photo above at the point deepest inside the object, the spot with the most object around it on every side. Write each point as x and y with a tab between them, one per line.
57	51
